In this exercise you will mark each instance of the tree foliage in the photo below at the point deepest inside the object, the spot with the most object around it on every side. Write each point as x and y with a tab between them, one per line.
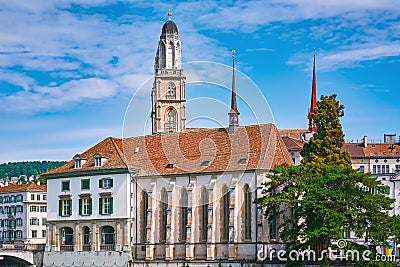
315	201
28	168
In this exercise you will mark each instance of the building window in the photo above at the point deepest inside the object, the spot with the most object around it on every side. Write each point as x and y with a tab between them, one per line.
184	214
397	168
387	169
163	215
106	183
85	184
171	119
78	163
247	212
34	233
34	221
44	221
18	221
107	238
171	91
43	208
65	186
19	234
85	206
106	205
33	209
97	161
67	238
379	169
20	208
86	239
32	197
12	199
204	215
226	196
143	219
1	199
65	207
37	197
43	233
44	197
362	169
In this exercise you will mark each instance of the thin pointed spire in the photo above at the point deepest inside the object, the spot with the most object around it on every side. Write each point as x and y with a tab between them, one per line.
233	100
313	107
233	113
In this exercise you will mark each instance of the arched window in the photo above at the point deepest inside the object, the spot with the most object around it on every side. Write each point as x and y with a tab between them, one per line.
247	211
162	55
171	91
184	214
226	196
107	238
67	239
163	215
204	214
171	123
86	238
143	216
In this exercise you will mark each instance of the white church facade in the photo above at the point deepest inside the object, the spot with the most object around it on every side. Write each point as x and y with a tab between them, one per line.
178	196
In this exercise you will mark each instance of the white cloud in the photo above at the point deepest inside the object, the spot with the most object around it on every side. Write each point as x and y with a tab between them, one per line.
51	98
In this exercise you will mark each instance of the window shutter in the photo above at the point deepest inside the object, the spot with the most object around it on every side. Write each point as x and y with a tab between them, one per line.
111	183
100	183
111	205
90	206
80	206
100	206
70	207
60	207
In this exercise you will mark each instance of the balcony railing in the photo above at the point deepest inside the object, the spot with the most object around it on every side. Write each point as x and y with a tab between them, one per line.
170	126
67	248
107	247
86	247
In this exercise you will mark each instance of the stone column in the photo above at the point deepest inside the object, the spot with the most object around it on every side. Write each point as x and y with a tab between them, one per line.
150	226
94	237
118	237
77	237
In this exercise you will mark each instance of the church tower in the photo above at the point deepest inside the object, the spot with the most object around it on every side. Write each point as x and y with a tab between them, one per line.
168	94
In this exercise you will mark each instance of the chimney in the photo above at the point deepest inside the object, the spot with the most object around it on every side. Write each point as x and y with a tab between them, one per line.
365	141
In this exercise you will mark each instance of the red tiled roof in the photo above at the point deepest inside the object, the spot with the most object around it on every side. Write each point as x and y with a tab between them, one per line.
260	146
372	150
292	144
294	133
22	187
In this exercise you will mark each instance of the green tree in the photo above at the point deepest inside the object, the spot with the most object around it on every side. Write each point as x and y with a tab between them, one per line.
323	196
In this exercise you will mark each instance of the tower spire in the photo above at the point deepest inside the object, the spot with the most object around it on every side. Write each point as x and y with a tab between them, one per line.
233	113
313	107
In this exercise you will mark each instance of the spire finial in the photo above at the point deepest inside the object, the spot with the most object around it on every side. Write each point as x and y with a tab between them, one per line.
169	14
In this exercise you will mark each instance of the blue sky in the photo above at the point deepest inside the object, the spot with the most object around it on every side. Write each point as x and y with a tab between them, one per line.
68	70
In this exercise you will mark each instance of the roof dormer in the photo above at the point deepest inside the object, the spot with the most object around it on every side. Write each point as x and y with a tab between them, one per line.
99	160
78	161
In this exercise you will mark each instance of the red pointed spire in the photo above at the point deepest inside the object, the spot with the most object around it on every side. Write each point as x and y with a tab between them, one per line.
313	107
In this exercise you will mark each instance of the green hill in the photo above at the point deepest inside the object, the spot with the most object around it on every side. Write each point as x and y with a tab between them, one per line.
28	168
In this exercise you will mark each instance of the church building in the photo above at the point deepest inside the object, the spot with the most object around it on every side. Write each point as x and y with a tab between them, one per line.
179	196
